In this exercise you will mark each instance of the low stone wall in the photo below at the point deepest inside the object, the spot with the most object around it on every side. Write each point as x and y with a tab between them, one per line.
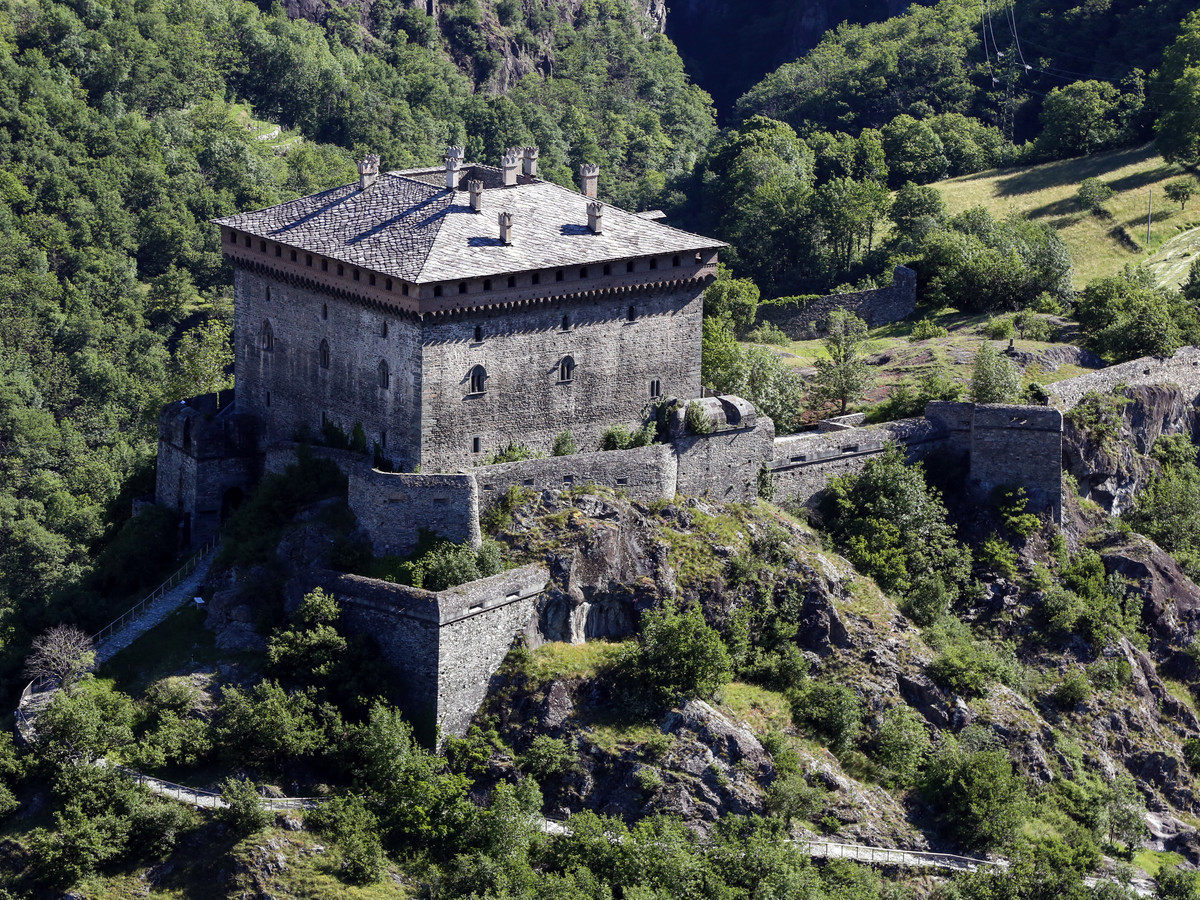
802	464
393	508
1182	369
806	321
645	473
446	645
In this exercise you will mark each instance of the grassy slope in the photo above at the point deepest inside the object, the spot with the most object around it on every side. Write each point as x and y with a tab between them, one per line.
1046	193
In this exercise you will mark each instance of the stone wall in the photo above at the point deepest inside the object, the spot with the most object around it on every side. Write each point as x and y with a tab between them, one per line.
292	392
394	508
724	464
446	645
208	460
644	473
1019	446
802	464
806	321
619	361
1182	369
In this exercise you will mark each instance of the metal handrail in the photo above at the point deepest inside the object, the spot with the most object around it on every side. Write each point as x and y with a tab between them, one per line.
887	855
157	594
212	798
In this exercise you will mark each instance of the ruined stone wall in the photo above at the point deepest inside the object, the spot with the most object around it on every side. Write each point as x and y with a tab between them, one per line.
644	473
724	464
446	645
806	321
393	508
290	390
616	360
1182	369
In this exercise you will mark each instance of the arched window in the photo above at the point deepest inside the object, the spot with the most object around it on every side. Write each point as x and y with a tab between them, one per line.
324	310
676	261
385	375
566	369
268	336
324	354
479	334
383	329
632	312
512	280
478	378
566	323
268	293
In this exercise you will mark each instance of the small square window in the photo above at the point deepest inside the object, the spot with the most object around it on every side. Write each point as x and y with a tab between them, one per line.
487	284
583	273
629	266
654	262
308	259
535	278
324	265
278	250
512	280
608	268
387	284
292	255
247	240
341	269
437	290
655	388
676	261
371	279
356	274
479	334
262	246
462	287
558	276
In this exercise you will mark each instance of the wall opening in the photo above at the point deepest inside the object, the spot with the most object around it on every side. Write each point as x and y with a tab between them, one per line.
566	369
268	336
478	379
230	502
323	355
385	375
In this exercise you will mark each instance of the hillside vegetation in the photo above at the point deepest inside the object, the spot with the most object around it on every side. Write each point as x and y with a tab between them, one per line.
1100	245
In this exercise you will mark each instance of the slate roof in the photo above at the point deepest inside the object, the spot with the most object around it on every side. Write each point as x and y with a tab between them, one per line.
409	226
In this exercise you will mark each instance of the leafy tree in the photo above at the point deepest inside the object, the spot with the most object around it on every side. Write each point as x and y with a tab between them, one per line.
996	378
349	822
1080	118
893	526
849	212
1180	191
313	647
1126	316
834	710
844	375
243	811
1177	131
914	151
83	725
984	799
1092	193
917	210
679	654
733	298
267	725
902	743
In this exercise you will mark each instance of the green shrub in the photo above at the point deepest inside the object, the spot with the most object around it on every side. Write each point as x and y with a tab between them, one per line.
902	744
510	452
928	600
354	828
680	655
500	516
790	796
998	556
622	437
769	333
1072	690
1012	503
564	444
1098	416
1191	754
765	483
243	813
999	328
984	799
548	757
965	664
927	329
1110	674
696	419
649	779
1032	326
833	710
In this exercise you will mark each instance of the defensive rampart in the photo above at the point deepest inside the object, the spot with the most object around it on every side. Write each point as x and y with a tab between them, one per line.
644	473
446	645
1182	369
804	319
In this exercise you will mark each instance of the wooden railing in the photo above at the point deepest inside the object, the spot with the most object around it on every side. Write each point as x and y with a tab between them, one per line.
158	593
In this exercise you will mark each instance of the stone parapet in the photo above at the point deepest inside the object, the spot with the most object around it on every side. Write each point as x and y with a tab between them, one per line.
805	320
1182	369
644	473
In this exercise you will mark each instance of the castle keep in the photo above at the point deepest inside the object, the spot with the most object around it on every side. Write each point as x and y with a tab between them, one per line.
450	311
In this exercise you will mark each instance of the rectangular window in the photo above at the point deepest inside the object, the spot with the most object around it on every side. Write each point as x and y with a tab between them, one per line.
324	265
476	444
655	388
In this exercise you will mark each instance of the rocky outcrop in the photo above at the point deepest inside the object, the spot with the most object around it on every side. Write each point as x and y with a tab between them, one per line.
1111	465
1170	599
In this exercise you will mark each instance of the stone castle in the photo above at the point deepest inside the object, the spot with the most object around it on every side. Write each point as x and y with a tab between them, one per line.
442	313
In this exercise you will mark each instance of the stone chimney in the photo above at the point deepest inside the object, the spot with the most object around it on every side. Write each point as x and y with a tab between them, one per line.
368	171
589	178
510	163
530	156
506	224
476	188
595	217
454	159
